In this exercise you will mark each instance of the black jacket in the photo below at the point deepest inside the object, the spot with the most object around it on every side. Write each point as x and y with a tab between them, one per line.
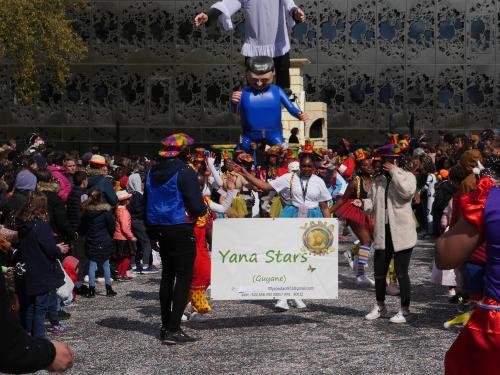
73	205
136	206
19	352
98	224
39	251
14	206
187	183
444	192
57	212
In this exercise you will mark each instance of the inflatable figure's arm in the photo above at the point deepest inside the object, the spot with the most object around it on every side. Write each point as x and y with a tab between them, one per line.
293	110
235	101
227	8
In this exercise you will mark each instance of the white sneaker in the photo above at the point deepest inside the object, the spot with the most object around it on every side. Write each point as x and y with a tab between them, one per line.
86	279
364	281
376	313
197	316
299	304
348	257
184	318
282	305
399	318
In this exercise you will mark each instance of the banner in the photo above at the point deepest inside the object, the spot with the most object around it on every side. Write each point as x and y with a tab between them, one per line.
274	258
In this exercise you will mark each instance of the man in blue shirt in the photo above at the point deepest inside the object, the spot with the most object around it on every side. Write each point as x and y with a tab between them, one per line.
173	202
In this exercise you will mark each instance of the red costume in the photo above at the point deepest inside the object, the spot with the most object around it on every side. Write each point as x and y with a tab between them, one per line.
202	265
476	349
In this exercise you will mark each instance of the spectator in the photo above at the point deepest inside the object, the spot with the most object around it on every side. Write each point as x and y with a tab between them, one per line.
58	218
97	172
55	163
294	139
21	353
44	275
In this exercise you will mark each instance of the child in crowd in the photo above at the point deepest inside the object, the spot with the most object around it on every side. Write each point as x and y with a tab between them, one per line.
98	224
44	275
123	237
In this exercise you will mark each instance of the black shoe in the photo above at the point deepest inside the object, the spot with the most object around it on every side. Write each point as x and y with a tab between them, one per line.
82	290
91	293
63	315
109	291
174	338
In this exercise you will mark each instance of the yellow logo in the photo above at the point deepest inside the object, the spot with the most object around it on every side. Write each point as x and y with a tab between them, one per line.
318	238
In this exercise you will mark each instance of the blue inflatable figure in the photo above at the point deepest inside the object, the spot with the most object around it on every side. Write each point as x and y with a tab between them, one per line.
260	104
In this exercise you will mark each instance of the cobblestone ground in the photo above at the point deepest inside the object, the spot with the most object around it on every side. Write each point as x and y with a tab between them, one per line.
119	335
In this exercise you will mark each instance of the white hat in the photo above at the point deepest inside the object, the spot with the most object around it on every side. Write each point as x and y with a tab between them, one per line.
98	159
294	166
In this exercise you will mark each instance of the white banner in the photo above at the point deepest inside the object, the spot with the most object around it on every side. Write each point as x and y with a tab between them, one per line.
274	258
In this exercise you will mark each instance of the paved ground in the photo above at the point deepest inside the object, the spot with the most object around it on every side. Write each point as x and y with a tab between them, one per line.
119	335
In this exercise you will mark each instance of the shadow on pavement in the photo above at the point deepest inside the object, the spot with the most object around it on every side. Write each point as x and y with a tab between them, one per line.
273	320
125	324
144	296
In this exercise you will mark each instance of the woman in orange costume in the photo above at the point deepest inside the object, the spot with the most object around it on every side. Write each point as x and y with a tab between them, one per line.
202	263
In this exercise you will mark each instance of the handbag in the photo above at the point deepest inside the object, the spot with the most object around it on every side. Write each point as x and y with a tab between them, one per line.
65	290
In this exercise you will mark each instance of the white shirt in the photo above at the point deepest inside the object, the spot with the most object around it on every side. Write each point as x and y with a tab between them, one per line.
266	24
316	189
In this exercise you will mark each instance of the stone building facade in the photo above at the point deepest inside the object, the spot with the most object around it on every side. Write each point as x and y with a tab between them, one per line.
149	71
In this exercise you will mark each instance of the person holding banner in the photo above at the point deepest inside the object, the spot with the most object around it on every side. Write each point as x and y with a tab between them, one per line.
309	197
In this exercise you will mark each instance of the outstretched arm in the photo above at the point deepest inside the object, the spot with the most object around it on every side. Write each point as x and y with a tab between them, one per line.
454	247
291	108
257	182
223	10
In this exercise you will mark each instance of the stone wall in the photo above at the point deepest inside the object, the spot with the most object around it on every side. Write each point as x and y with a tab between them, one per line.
151	72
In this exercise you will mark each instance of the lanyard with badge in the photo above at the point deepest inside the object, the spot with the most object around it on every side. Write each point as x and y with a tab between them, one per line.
303	209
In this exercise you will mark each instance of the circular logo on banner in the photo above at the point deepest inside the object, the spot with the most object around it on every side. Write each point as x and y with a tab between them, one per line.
318	238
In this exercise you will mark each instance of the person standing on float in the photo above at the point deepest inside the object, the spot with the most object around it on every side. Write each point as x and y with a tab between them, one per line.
266	33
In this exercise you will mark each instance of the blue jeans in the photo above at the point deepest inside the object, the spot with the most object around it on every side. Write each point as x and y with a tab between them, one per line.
105	269
40	306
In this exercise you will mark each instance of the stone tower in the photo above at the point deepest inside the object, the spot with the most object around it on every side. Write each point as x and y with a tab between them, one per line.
316	128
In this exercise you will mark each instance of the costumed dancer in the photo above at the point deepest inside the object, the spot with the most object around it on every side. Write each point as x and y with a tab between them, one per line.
475	351
202	263
270	202
309	197
347	162
360	222
266	31
260	105
243	203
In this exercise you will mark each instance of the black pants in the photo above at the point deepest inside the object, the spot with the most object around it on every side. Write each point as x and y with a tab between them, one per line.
282	68
177	251
382	259
143	243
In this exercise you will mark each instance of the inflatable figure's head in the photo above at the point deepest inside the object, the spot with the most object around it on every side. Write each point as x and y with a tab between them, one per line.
260	72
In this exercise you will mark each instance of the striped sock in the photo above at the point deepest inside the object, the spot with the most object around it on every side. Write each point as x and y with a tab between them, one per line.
363	255
361	270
